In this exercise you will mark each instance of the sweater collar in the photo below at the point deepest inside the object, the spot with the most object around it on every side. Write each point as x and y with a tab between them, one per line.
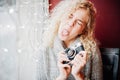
60	46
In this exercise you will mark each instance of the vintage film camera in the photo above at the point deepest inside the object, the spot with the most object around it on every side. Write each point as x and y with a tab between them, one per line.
73	51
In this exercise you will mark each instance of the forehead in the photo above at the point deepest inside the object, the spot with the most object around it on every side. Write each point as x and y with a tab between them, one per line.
81	14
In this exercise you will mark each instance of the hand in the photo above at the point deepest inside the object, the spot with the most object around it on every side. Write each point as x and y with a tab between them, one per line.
64	69
78	63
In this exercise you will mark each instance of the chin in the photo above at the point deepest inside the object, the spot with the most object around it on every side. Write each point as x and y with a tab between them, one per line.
63	38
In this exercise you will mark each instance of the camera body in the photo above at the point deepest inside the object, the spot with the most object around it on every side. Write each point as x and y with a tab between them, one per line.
73	51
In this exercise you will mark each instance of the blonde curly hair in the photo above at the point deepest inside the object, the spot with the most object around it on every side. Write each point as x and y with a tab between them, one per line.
64	8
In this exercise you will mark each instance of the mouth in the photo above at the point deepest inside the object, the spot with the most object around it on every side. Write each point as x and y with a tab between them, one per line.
65	32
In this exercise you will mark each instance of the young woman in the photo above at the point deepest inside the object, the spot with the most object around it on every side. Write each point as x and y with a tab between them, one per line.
71	22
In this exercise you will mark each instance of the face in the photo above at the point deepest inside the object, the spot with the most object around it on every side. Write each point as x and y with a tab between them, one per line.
73	25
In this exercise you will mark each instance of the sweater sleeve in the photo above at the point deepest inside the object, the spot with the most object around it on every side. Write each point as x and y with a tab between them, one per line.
97	71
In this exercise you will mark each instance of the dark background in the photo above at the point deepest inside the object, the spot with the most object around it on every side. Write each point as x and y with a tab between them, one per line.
107	29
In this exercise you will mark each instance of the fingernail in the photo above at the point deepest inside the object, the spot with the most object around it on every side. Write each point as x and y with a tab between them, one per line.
81	55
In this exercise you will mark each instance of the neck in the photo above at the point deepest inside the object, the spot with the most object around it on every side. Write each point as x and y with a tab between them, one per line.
68	42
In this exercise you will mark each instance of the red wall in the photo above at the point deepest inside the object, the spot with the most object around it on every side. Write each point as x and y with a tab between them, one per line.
108	20
53	3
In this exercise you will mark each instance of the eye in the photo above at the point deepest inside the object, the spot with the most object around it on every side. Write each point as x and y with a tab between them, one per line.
70	16
78	22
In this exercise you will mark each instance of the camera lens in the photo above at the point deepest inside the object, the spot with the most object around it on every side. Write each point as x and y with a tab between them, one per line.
71	54
73	51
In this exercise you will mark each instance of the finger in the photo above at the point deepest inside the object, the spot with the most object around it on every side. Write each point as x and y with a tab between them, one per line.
63	58
63	65
78	60
61	53
78	64
83	54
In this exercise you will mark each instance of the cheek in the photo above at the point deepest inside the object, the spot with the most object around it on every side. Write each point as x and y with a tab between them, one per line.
61	26
63	22
79	30
60	33
59	30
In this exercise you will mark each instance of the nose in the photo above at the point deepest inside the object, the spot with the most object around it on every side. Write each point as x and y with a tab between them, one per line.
71	23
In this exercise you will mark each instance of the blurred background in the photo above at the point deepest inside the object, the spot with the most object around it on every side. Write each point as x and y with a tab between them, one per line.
21	27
